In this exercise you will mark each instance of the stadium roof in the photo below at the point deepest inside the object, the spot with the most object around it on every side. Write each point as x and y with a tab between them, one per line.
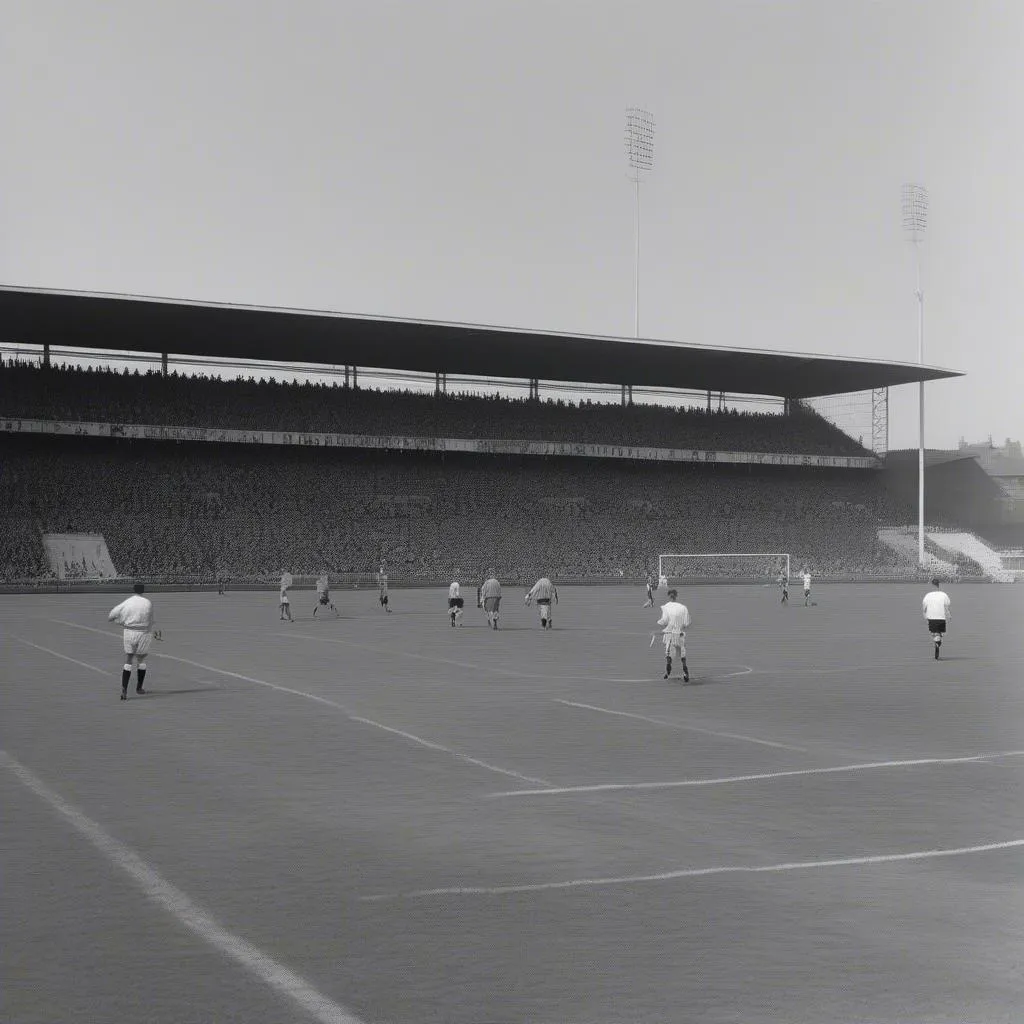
129	323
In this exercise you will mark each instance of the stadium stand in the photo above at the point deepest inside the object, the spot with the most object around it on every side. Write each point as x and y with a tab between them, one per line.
183	509
71	394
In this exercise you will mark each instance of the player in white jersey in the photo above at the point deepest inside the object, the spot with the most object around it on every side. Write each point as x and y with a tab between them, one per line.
455	603
489	595
675	617
936	612
382	587
285	602
543	592
662	581
136	616
323	596
806	577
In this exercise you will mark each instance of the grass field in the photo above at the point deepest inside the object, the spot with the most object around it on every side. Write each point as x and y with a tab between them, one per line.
379	818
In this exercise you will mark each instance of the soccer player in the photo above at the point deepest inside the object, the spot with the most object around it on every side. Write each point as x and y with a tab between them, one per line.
936	612
136	616
649	603
662	581
784	586
382	587
807	587
490	597
543	591
455	603
323	596
286	605
675	617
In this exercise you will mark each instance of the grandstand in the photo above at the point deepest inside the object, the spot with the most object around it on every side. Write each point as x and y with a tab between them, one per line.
191	478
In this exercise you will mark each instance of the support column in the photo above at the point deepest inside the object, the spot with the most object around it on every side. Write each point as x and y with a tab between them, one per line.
46	353
440	383
535	388
355	377
346	375
709	399
163	363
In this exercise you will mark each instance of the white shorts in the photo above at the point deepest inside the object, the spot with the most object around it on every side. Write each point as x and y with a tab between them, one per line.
137	642
674	640
284	599
544	608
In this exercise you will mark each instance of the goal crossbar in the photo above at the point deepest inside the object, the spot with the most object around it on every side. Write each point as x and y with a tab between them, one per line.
724	564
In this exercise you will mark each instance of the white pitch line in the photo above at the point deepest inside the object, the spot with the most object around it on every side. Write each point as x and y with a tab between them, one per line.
665	876
78	625
430	745
611	787
63	657
437	746
284	981
677	725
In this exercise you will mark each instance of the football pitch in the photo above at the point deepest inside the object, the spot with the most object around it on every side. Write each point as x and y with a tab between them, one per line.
378	818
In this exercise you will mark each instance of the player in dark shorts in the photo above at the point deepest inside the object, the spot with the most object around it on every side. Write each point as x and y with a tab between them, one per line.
455	603
323	596
936	613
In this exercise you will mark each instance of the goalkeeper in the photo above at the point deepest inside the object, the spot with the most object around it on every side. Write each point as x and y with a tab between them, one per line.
136	616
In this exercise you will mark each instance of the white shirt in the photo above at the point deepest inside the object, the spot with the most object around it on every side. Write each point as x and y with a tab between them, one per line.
674	617
543	590
134	613
807	581
453	590
936	605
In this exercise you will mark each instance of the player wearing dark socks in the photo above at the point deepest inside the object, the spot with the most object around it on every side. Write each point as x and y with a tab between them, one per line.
136	615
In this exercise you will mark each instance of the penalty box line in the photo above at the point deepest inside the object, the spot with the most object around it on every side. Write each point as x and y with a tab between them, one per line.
667	876
679	725
428	744
614	787
285	982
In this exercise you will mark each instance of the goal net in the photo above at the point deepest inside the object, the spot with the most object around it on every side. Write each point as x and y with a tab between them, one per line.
724	567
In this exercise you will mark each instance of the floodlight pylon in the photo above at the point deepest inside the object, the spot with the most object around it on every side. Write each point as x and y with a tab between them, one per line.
915	223
640	154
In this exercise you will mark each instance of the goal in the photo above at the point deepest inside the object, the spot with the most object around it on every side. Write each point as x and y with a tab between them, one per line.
724	567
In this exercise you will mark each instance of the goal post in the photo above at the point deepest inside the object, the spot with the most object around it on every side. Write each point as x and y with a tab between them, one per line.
724	567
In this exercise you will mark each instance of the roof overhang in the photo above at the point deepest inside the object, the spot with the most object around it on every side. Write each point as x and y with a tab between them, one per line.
128	323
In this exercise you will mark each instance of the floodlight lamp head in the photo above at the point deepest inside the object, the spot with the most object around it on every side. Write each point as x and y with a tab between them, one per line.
639	141
915	211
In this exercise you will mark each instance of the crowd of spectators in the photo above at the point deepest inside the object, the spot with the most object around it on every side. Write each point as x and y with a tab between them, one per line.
239	510
100	395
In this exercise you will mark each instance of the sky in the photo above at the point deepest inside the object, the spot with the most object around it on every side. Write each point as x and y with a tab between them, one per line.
463	160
